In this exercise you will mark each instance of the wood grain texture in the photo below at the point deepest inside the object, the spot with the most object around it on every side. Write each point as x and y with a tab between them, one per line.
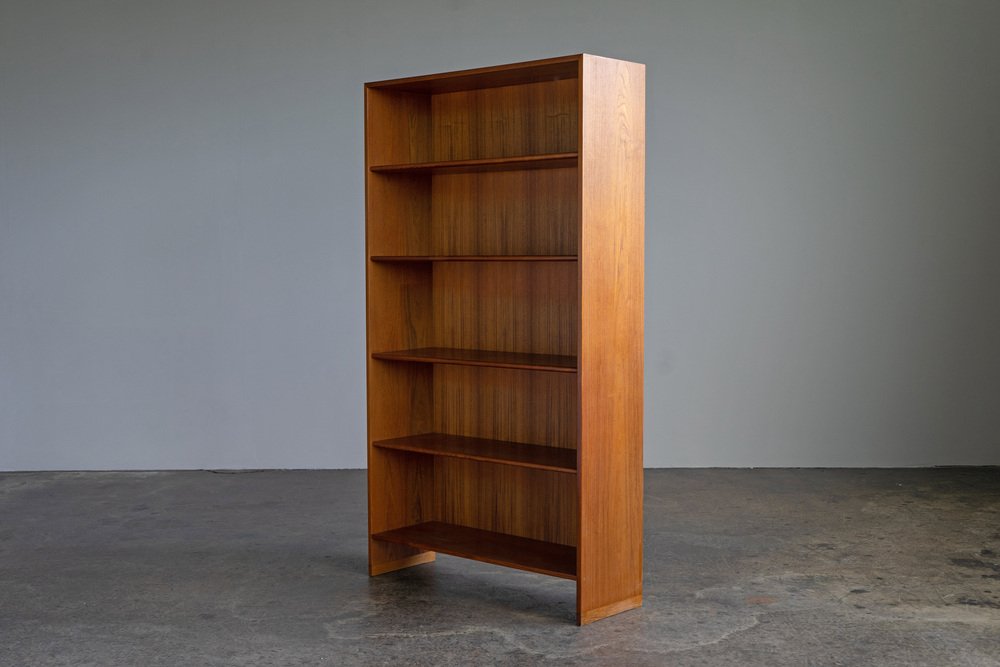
397	207
528	212
612	158
397	127
502	306
617	607
400	493
532	71
538	408
543	161
538	504
531	407
400	484
400	310
463	357
489	547
556	459
508	122
382	566
520	290
474	258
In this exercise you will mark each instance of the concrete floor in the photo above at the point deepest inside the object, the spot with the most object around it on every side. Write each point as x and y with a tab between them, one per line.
743	567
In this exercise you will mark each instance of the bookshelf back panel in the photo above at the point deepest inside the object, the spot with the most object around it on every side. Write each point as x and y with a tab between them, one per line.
534	407
527	307
537	504
505	122
528	212
521	212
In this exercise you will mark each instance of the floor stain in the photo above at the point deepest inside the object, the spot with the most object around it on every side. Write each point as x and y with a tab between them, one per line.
975	563
760	599
972	602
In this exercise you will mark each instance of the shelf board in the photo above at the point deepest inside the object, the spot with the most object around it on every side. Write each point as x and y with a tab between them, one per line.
448	355
557	560
546	161
474	258
558	459
534	71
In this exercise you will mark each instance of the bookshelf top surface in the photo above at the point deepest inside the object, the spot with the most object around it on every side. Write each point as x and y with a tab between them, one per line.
532	71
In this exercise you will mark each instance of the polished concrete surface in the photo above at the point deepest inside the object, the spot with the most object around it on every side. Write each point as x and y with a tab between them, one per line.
742	567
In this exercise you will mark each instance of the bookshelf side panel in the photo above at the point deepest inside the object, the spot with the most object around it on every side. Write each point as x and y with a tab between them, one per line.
612	163
397	310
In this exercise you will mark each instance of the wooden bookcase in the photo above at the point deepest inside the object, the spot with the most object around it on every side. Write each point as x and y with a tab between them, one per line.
505	321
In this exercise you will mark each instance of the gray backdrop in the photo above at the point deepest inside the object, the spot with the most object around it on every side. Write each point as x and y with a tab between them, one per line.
181	241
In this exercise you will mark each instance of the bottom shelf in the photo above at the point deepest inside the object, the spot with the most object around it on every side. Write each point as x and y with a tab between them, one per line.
557	560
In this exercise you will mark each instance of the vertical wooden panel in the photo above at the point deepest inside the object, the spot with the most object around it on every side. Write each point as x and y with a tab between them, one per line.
397	209
399	213
400	307
534	407
400	493
512	212
533	212
521	406
506	121
612	158
537	504
506	306
397	127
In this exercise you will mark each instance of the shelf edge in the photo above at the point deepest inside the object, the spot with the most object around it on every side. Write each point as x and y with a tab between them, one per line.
542	161
474	258
412	357
401	444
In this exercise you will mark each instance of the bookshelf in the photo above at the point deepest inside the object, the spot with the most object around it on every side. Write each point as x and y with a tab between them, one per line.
504	234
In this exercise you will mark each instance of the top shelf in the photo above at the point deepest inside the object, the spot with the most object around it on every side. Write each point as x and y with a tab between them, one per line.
546	161
533	71
474	258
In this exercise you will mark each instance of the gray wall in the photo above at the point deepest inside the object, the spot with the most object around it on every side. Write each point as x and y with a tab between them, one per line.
181	274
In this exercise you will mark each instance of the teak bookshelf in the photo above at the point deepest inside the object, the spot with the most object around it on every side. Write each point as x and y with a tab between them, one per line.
505	321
